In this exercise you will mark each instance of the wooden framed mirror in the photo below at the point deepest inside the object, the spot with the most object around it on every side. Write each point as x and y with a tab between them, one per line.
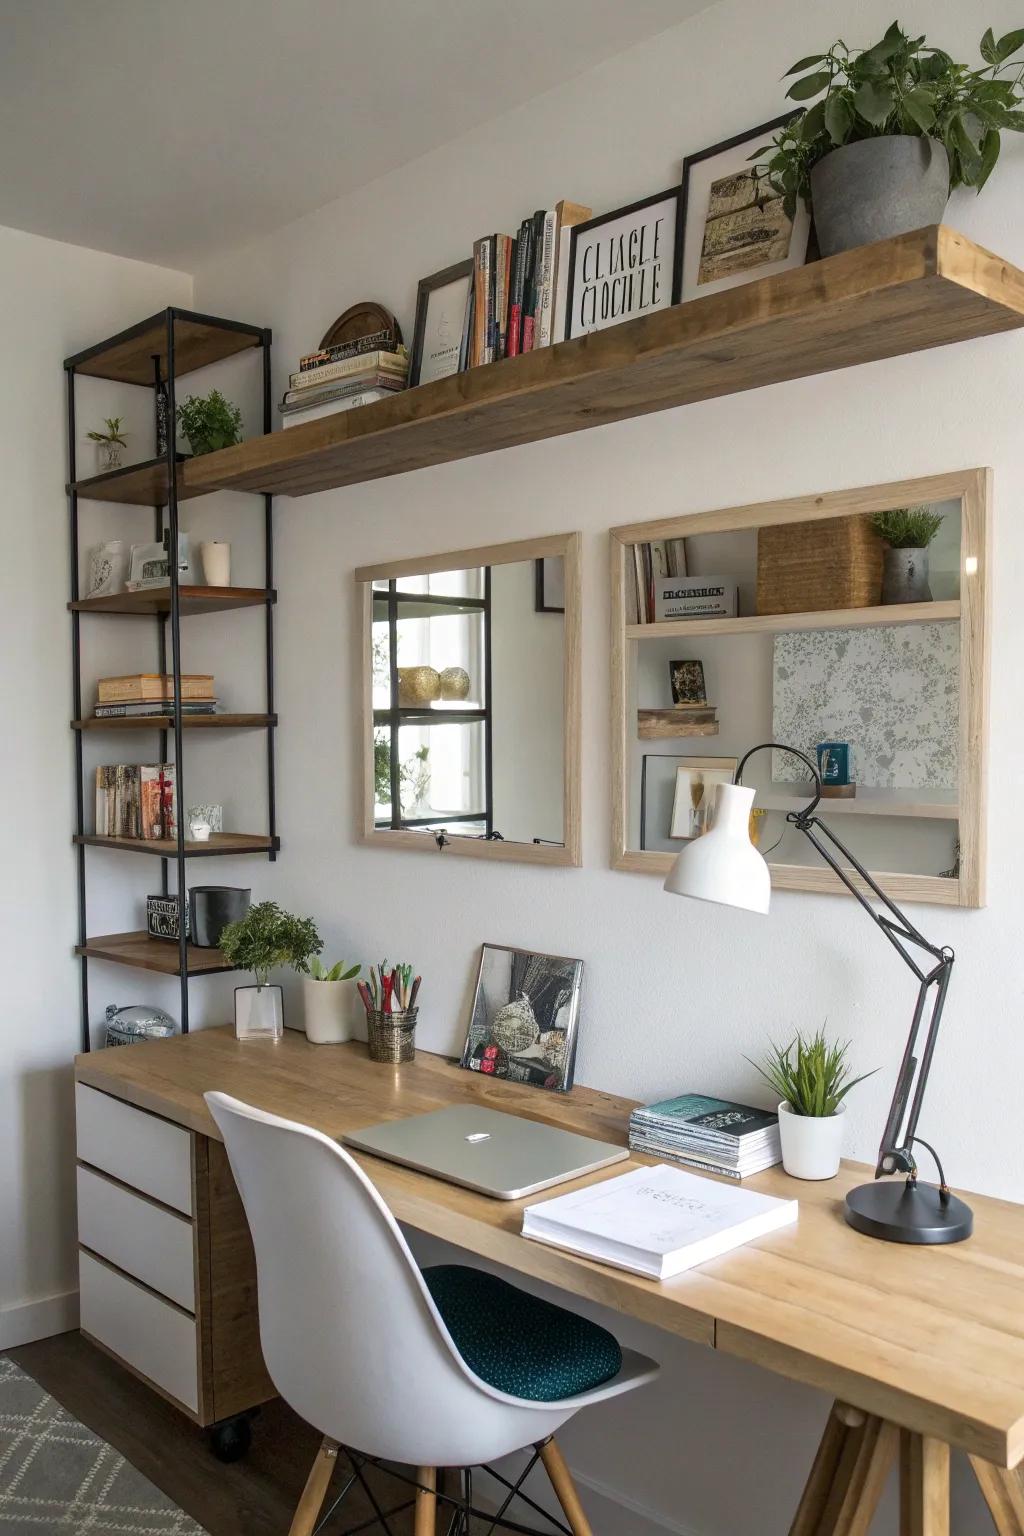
470	678
812	653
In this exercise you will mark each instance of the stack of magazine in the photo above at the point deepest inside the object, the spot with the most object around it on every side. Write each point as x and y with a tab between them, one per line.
714	1135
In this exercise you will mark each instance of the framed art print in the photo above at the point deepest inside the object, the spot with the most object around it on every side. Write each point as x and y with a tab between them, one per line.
733	228
624	264
442	301
549	585
526	1013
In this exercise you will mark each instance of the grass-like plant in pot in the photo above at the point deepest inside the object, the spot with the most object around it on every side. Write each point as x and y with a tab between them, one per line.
811	1079
907	532
326	1000
209	422
109	443
264	938
889	131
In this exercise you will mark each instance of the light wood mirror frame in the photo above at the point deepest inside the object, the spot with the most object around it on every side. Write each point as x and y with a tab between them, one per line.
564	545
972	488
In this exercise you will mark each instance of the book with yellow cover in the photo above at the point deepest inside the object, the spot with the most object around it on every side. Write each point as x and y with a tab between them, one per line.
151	687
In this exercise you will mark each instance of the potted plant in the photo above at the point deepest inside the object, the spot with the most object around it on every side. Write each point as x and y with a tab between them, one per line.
325	997
210	422
812	1079
109	444
907	532
263	938
896	127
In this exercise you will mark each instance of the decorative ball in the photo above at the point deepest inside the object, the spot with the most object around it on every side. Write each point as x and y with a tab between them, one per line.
515	1026
455	683
418	685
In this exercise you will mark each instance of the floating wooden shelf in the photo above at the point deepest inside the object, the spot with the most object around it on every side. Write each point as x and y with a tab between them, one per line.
780	623
666	724
903	295
135	485
198	341
167	848
936	805
147	954
193	600
166	722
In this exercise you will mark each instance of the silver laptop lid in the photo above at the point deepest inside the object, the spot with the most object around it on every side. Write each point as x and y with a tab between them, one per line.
500	1155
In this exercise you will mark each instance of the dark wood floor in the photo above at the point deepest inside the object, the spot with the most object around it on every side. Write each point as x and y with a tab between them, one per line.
253	1497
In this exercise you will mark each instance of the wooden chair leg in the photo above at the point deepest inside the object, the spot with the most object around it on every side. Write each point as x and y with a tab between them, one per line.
924	1485
1003	1491
426	1502
565	1489
315	1491
848	1475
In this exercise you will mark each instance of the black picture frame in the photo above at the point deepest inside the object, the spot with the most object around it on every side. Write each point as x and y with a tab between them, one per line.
547	985
426	286
624	213
540	595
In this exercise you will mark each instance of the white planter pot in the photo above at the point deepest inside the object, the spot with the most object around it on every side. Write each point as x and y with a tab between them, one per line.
811	1145
259	1013
326	1005
216	558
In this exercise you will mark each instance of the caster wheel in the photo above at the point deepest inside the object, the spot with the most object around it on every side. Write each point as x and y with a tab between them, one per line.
230	1441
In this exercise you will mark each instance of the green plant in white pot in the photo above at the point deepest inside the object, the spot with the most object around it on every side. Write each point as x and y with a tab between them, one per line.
326	999
907	532
889	131
210	422
265	938
811	1079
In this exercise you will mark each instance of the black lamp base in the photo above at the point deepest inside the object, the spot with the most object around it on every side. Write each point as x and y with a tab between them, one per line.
901	1211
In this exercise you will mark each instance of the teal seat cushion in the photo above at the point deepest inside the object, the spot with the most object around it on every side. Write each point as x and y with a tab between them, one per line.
518	1343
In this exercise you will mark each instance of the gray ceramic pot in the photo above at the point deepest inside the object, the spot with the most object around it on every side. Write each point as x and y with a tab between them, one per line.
876	188
905	576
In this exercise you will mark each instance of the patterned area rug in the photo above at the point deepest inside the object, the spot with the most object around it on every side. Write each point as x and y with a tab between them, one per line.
57	1476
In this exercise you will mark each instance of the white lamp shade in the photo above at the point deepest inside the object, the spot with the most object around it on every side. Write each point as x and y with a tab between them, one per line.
724	866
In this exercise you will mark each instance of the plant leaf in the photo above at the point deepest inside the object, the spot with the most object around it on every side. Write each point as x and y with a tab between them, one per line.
874	102
810	85
802	64
1008	44
987	47
917	105
990	145
838	117
813	121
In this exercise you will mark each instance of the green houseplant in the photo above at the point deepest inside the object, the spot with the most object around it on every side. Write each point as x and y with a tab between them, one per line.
264	938
888	131
109	443
326	996
907	532
209	422
811	1079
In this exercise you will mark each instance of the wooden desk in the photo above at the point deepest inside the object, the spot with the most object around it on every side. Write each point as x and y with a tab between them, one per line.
922	1347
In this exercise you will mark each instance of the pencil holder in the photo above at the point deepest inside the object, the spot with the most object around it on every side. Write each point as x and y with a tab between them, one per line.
391	1037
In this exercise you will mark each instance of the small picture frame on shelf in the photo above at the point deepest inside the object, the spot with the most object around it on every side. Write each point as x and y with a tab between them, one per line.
525	1017
442	321
687	682
149	564
693	806
734	228
549	585
625	263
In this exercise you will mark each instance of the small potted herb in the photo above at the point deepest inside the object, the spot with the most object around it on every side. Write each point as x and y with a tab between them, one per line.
325	997
895	128
811	1078
264	938
109	444
210	422
907	532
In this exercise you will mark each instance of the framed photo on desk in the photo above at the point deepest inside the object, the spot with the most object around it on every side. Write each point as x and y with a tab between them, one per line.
525	1017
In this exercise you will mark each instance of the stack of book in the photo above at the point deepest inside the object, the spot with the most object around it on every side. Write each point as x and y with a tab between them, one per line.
136	800
518	295
714	1135
338	378
149	693
652	561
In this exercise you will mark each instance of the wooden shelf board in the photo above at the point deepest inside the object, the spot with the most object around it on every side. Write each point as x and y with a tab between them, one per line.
134	485
898	296
780	623
937	805
167	848
193	600
166	722
147	954
198	341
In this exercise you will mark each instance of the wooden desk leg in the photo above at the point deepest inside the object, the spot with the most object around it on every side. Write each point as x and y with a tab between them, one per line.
1004	1494
848	1475
924	1485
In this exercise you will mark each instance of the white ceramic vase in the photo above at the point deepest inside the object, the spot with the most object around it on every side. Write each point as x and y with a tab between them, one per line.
216	558
108	568
326	1008
259	1013
811	1144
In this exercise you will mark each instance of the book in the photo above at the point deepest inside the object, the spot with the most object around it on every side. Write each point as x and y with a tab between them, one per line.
152	686
649	1147
504	247
568	214
483	298
693	597
126	801
383	361
466	347
656	1221
153	707
104	820
515	306
532	272
545	274
348	402
169	799
383	341
732	1136
302	399
151	820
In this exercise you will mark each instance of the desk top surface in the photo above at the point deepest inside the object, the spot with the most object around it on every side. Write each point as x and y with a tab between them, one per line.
932	1338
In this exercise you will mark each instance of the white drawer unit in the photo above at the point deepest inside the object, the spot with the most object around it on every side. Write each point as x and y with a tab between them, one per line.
146	1241
138	1148
148	1334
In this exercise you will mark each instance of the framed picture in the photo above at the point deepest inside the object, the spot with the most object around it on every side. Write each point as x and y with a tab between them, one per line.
525	1017
149	565
442	304
624	264
693	805
549	585
687	678
733	228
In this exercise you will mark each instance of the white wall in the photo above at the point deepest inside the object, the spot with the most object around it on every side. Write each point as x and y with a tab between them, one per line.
607	138
55	300
527	708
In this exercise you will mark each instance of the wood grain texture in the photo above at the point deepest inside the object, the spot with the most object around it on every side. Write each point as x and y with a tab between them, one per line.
787	623
193	600
903	295
235	1377
663	724
135	485
924	1485
931	1341
166	848
128	357
232	722
565	1488
147	954
307	1511
1003	1492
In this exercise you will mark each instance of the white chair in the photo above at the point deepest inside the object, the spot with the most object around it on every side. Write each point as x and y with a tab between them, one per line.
354	1340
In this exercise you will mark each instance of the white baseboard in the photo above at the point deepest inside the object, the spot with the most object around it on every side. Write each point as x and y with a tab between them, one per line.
32	1320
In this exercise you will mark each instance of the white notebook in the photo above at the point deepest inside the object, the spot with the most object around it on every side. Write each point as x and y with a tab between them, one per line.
656	1221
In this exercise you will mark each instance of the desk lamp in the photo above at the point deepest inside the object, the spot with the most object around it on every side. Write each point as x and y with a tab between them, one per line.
723	866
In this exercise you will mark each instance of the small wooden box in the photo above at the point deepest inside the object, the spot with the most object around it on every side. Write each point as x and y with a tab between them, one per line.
832	562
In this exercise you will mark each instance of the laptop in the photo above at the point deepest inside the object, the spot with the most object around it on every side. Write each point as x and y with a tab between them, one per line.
503	1156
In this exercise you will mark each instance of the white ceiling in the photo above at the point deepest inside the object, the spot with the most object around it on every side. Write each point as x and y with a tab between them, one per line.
170	129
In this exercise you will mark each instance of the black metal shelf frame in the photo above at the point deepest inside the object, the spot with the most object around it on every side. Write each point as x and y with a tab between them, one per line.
262	338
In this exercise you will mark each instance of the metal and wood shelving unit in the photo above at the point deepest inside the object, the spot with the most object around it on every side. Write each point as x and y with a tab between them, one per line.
160	350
